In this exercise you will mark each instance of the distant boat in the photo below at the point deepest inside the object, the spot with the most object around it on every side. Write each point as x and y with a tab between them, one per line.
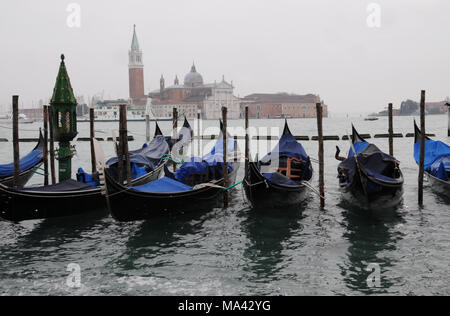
23	119
371	118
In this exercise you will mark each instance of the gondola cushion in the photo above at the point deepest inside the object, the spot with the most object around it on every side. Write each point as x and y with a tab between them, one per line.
163	185
84	177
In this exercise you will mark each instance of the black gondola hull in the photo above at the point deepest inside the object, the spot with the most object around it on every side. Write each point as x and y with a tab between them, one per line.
263	194
21	205
387	197
24	177
130	205
16	206
439	186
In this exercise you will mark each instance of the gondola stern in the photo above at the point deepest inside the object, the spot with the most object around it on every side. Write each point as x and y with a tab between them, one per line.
355	136
158	131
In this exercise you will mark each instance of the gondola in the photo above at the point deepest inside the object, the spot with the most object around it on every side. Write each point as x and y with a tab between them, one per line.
197	184
28	166
282	177
73	197
370	179
437	162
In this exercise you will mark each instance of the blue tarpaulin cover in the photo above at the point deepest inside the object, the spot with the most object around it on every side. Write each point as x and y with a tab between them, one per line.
276	177
144	160
359	148
163	185
84	177
26	163
150	155
65	186
213	161
287	147
376	164
437	158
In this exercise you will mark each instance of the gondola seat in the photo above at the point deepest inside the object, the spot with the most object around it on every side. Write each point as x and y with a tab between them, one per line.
289	171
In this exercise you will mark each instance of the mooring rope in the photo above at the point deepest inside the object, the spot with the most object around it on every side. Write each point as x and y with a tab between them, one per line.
309	186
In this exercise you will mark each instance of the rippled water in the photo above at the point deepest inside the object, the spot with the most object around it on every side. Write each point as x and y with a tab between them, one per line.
239	251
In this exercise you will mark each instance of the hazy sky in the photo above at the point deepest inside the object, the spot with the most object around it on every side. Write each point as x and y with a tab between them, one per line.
311	46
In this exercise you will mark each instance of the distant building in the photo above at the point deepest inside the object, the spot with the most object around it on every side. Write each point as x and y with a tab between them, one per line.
33	114
82	109
436	107
109	110
410	108
282	105
193	96
136	74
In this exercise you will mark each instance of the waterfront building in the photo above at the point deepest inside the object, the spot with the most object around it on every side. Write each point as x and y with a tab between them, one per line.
282	105
109	110
193	96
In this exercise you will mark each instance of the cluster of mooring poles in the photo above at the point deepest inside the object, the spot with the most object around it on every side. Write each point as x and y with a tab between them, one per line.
60	124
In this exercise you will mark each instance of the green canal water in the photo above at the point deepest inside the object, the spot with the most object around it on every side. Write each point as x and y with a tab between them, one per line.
239	251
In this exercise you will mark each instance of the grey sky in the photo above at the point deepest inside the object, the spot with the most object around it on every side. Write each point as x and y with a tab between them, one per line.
314	46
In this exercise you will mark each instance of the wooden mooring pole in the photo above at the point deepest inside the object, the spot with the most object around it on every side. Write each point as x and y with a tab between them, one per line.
52	145
391	130
175	132
120	149
93	160
147	128
247	144
124	137
422	147
46	170
448	110
199	134
225	154
321	157
16	152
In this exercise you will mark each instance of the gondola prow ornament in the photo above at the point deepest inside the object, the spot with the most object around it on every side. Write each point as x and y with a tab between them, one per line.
64	118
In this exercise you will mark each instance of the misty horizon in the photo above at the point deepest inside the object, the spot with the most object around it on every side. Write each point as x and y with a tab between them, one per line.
318	47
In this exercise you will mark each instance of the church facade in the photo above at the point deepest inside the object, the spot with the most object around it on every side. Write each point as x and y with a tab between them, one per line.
194	96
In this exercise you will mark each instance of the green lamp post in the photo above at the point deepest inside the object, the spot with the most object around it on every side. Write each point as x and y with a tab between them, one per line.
64	105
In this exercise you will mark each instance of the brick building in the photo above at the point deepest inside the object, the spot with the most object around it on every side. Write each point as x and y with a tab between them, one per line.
282	105
136	73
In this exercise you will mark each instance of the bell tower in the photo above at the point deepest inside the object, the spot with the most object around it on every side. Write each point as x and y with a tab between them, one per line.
136	73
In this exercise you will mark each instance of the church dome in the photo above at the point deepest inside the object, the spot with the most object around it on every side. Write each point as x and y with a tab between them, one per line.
193	78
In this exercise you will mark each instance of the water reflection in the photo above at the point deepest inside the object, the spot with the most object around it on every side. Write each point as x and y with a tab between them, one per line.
372	239
156	239
41	250
267	230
